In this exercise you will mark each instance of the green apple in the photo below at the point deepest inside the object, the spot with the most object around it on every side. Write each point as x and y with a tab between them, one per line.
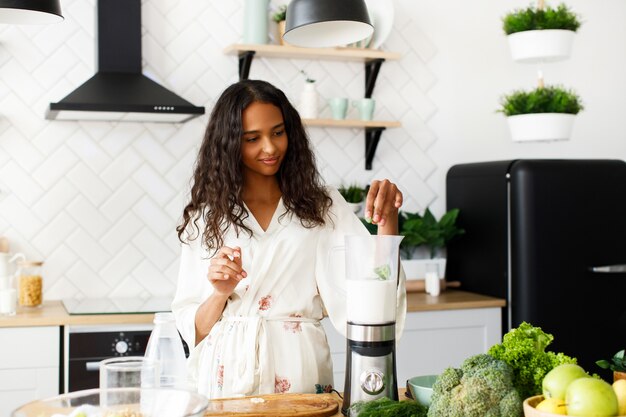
591	397
556	381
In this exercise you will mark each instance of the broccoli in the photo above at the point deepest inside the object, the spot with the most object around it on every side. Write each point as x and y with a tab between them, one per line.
523	349
483	387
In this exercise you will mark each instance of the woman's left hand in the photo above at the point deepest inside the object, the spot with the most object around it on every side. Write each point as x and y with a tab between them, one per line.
382	202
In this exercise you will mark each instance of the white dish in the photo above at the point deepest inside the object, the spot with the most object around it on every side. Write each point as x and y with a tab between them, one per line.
382	12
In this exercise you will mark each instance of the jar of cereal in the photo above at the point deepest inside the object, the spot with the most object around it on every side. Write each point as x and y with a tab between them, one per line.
30	284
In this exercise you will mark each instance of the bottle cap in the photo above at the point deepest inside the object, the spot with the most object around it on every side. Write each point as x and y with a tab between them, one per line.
163	317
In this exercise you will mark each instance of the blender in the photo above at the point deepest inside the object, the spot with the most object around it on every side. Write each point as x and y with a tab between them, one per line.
372	285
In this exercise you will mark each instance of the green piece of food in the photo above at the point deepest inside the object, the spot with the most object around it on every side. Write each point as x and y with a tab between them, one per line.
524	349
384	407
383	272
483	387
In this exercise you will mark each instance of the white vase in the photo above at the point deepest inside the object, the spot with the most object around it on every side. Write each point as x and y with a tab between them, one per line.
308	101
546	45
541	126
416	268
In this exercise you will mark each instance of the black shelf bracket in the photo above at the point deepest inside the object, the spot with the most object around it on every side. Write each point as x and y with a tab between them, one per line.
245	60
372	134
372	137
371	73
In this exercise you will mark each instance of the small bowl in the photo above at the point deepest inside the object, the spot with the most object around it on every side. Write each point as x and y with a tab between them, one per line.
154	402
421	388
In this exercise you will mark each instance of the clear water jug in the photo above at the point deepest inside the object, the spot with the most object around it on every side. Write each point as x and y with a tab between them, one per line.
166	347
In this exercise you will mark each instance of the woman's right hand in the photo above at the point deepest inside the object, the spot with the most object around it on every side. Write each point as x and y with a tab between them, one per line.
225	270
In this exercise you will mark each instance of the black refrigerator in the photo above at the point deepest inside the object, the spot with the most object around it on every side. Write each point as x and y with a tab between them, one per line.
549	236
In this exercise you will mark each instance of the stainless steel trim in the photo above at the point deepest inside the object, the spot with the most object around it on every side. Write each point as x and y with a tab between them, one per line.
92	366
371	333
610	269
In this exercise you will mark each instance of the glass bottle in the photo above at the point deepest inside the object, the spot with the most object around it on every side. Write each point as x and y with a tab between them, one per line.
166	347
30	284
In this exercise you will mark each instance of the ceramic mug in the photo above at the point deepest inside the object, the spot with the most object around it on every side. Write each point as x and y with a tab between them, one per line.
365	107
338	107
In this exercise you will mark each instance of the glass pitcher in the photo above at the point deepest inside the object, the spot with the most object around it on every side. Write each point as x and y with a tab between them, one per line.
372	264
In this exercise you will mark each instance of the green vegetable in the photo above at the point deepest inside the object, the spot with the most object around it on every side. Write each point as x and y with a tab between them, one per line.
384	407
524	349
483	387
383	272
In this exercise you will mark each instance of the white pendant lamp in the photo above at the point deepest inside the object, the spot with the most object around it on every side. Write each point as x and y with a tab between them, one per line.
326	23
30	11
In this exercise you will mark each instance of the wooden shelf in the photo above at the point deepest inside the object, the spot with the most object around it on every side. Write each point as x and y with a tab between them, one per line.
285	51
372	59
355	123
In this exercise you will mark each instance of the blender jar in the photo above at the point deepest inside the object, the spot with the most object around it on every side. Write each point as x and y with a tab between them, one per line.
372	278
30	284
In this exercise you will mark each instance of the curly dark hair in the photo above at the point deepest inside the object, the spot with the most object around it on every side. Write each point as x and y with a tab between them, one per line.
216	193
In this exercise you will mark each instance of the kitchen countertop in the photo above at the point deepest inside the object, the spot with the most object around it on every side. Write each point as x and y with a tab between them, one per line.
52	312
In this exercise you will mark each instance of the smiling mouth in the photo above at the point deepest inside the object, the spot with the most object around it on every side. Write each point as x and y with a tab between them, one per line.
270	161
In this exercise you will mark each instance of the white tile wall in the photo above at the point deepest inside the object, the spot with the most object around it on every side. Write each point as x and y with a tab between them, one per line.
99	201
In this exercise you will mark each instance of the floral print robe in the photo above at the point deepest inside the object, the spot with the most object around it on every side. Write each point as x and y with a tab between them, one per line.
269	338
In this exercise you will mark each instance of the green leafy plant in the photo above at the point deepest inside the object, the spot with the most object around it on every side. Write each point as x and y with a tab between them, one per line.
617	362
551	99
307	78
352	193
426	230
532	18
524	349
384	407
280	14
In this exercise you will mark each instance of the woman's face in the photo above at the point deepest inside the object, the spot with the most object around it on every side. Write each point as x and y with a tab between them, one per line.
264	141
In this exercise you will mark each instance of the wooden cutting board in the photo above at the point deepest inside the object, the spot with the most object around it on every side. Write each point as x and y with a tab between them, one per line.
278	405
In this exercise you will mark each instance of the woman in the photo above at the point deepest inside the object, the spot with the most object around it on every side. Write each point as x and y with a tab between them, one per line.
262	256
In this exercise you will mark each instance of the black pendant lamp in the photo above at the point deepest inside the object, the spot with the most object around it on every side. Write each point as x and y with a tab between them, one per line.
30	11
325	23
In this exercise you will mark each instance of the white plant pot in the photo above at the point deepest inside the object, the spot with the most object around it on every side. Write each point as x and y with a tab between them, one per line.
547	45
541	126
356	207
416	268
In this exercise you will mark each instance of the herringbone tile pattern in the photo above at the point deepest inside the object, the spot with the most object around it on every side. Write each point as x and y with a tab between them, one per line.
99	201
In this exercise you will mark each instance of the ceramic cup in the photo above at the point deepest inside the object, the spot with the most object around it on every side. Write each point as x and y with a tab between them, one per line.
129	372
338	107
365	107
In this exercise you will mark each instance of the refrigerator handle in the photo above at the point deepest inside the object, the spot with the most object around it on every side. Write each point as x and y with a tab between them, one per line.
611	269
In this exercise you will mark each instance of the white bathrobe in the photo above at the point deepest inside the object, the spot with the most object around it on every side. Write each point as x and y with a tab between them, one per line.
269	338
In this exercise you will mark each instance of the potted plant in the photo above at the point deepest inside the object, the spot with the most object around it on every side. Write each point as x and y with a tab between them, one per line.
540	33
425	240
617	364
354	196
280	16
545	113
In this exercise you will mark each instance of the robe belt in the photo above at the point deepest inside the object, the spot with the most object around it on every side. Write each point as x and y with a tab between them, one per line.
255	358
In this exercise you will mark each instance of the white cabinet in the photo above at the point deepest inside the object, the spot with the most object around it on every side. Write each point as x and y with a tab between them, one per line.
29	365
431	341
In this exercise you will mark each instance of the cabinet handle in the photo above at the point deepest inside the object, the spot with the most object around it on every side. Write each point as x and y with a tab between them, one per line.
609	268
92	366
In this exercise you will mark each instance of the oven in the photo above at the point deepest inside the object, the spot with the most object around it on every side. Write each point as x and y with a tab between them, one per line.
86	346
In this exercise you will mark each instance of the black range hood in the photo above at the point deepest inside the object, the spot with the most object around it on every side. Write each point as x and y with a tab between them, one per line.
119	91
